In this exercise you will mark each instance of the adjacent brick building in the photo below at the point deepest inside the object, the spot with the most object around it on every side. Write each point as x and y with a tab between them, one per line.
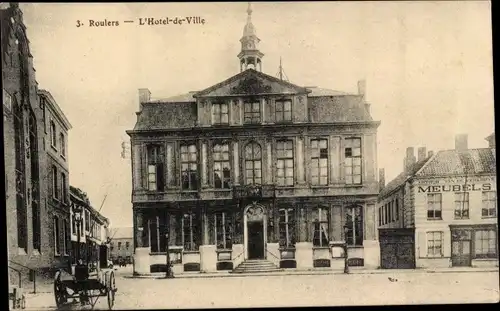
442	211
56	127
121	245
254	167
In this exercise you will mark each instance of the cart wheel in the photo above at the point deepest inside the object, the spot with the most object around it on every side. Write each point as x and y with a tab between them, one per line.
111	289
60	293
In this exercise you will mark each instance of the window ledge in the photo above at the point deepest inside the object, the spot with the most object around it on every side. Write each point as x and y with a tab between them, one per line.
434	219
353	185
320	186
190	252
278	187
225	250
488	217
321	247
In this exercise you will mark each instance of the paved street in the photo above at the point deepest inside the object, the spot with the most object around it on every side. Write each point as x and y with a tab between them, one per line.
298	290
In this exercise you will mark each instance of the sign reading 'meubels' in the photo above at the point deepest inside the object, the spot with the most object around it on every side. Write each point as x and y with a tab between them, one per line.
455	188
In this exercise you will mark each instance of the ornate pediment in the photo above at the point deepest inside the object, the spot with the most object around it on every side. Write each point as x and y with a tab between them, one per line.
250	85
251	82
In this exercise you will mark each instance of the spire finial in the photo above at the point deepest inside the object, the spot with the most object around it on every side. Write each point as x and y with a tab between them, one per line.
249	10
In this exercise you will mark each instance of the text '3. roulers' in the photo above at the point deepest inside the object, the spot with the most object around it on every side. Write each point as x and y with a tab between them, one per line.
191	20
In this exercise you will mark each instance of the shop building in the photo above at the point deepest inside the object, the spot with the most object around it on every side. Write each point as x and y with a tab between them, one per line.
254	168
442	211
93	242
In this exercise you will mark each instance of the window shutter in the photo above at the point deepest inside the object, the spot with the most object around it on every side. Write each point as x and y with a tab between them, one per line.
144	168
160	175
422	245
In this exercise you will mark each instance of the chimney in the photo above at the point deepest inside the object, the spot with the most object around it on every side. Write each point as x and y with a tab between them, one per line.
144	96
422	152
430	153
491	140
381	179
362	88
409	159
461	142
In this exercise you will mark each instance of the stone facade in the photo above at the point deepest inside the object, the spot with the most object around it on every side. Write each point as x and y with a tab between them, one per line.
447	203
254	167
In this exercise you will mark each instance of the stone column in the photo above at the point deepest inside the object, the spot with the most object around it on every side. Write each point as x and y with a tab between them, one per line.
236	161
300	160
204	167
269	161
205	236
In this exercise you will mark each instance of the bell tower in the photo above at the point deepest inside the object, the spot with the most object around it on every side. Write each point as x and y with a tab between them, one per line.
250	56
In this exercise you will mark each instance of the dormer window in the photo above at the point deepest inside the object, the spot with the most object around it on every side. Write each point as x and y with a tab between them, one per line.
220	113
252	112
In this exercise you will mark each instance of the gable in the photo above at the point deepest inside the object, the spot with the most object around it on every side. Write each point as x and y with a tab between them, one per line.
251	82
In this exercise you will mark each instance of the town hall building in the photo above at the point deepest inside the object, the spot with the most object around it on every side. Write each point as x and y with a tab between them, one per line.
256	169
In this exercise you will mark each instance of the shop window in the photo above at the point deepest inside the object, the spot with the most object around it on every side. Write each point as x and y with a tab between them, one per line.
223	230
191	232
485	243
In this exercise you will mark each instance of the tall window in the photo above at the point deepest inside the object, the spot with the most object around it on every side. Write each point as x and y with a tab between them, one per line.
119	245
127	245
220	113
354	223
435	244
485	243
434	206
157	231
155	168
87	220
222	230
319	162
53	134
353	161
461	205
64	193
22	231
252	112
287	227
397	209
222	171
285	166
489	204
189	167
57	242
35	182
320	222
62	143
283	110
380	216
253	164
55	183
191	232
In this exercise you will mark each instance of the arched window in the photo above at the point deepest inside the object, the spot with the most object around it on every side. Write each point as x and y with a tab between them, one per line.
253	164
354	223
22	233
35	181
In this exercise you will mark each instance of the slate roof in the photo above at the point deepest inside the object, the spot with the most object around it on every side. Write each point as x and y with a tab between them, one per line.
401	179
318	91
350	108
182	98
157	116
454	162
122	233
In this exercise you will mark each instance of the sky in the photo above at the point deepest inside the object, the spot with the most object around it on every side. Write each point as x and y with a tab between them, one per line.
427	66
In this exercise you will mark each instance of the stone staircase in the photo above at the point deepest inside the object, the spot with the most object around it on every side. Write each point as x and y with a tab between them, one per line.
256	266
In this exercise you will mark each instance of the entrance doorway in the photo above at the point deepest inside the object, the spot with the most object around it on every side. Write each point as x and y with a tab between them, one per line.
461	247
460	254
255	240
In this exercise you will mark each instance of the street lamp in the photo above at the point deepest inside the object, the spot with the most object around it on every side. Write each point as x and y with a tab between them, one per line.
168	274
346	266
